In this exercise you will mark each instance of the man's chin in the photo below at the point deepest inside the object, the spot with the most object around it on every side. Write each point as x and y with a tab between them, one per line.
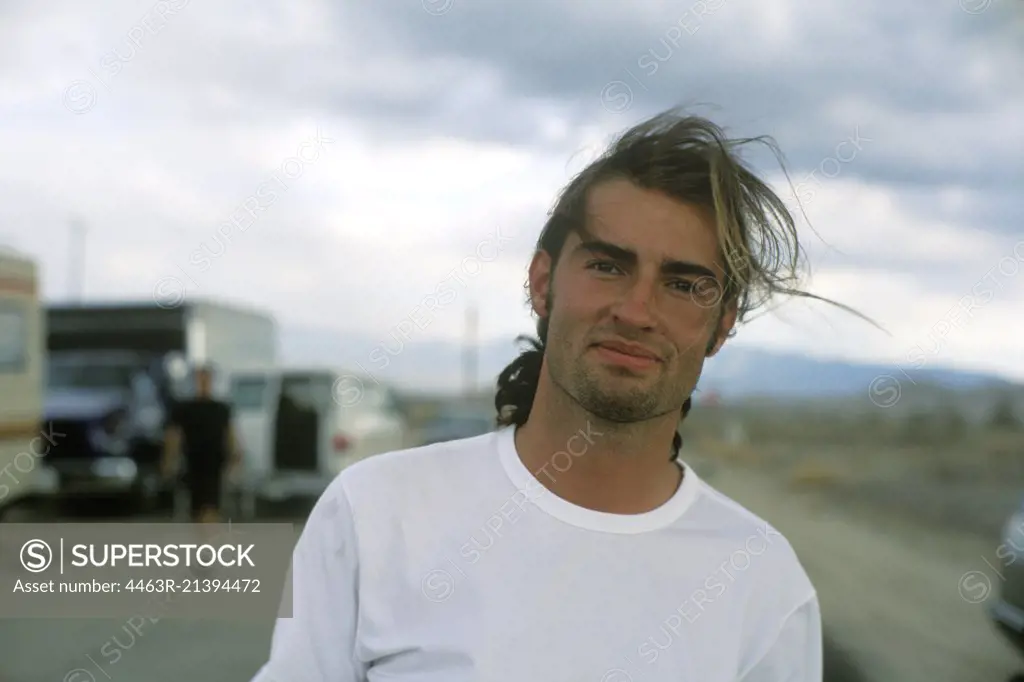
618	412
618	379
616	400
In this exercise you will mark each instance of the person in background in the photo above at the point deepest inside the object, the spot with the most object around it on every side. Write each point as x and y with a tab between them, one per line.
201	429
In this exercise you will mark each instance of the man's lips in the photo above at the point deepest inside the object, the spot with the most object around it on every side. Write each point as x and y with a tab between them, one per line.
631	350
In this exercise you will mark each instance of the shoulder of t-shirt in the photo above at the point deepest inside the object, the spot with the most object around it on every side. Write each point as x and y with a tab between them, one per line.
733	520
413	465
392	478
400	475
728	511
781	589
795	636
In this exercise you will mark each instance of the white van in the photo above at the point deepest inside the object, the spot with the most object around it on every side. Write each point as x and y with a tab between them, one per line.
24	440
298	427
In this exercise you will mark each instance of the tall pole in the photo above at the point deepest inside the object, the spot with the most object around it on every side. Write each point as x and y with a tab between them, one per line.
469	351
76	260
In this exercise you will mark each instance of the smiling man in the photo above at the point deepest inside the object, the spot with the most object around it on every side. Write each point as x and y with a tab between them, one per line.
574	543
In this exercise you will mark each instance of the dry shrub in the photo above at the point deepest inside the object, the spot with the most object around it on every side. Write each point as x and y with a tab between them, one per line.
816	474
741	454
1001	454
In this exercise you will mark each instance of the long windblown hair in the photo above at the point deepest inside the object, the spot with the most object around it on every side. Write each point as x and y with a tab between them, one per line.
690	159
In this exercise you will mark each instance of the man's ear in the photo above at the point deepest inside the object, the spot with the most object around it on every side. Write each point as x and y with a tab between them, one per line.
540	282
726	322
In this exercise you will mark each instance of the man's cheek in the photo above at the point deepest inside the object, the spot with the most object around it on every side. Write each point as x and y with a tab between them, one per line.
691	348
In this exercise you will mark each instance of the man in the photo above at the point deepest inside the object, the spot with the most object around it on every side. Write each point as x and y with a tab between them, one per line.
201	427
573	544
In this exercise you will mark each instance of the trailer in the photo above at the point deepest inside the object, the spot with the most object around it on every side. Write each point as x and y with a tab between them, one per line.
24	439
114	372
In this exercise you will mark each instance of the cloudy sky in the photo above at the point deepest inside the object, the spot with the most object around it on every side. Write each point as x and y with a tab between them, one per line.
335	160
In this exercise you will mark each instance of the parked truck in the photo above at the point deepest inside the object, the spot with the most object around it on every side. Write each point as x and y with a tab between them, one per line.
114	372
24	439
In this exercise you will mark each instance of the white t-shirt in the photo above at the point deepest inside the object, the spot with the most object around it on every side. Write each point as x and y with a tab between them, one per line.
452	562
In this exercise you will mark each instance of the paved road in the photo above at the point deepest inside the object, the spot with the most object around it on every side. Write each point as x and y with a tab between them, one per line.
110	650
47	651
889	586
889	595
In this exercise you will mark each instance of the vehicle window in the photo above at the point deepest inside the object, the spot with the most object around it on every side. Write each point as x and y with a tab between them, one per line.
144	388
466	421
83	374
248	393
391	402
373	399
377	399
13	337
308	391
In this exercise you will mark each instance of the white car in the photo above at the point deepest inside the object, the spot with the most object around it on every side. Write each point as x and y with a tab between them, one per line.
299	427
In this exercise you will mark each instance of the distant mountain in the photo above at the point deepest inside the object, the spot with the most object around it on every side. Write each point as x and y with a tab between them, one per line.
748	372
771	379
738	372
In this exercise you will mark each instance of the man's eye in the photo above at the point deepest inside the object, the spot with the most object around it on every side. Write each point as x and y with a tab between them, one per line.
603	266
682	285
706	292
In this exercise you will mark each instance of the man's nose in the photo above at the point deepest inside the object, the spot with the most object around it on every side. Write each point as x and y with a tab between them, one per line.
635	307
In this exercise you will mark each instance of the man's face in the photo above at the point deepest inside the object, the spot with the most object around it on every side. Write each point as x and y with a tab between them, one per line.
204	384
634	304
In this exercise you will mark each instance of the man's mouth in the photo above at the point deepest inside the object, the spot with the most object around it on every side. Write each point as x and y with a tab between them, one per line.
631	349
628	354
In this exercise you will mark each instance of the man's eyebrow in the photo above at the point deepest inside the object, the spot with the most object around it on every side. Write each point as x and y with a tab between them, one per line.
624	255
599	247
681	267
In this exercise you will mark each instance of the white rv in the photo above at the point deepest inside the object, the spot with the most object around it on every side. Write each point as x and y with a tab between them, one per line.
24	439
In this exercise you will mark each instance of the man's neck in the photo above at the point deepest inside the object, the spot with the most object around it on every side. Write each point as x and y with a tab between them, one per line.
593	463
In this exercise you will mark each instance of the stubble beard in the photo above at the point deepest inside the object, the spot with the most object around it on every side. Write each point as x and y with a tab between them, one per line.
601	396
605	398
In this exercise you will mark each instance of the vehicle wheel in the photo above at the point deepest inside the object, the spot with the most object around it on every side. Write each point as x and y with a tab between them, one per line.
76	507
248	505
23	510
165	500
146	494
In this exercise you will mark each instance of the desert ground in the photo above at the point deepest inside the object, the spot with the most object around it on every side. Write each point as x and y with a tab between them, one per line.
886	546
890	584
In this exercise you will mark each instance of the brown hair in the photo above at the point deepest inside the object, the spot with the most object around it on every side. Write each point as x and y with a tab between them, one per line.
688	158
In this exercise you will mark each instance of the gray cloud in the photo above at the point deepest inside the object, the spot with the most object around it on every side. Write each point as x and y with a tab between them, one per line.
930	83
937	90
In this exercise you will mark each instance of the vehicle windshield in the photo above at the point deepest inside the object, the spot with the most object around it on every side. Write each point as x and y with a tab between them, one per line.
91	374
248	393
